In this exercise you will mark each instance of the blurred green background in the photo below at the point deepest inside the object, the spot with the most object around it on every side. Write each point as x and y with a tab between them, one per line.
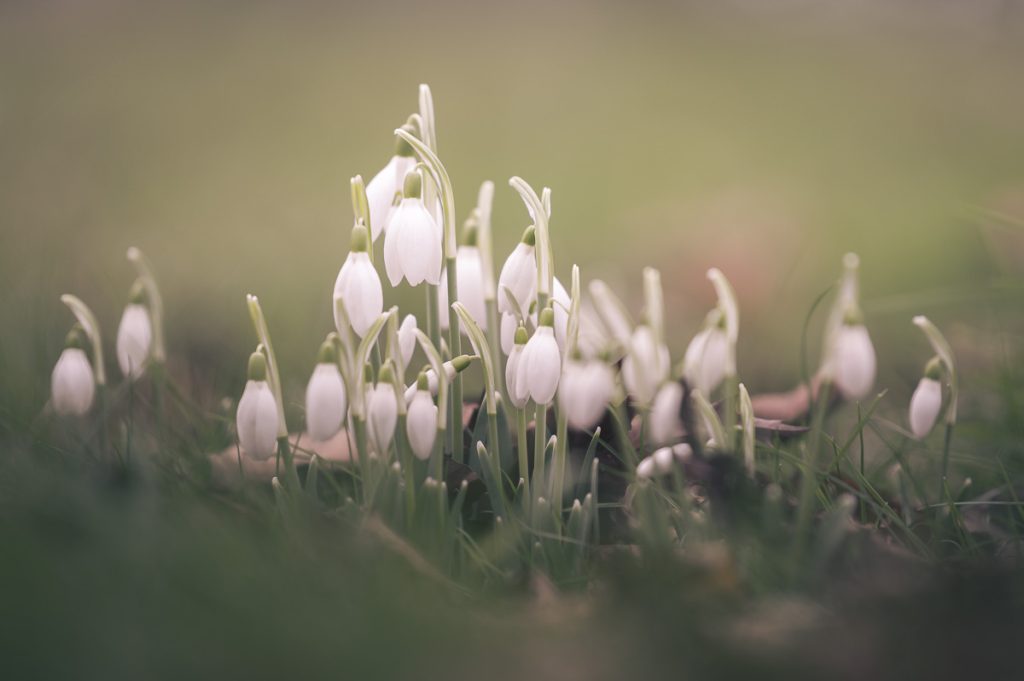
764	138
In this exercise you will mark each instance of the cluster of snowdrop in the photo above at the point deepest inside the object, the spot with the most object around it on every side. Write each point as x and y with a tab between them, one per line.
541	346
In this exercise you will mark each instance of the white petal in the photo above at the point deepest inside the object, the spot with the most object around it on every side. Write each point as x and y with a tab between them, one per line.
646	468
519	276
853	362
663	460
469	269
924	406
419	249
516	392
383	189
421	424
72	383
646	365
392	245
665	422
326	402
256	421
560	305
359	287
134	340
540	366
382	416
508	332
407	338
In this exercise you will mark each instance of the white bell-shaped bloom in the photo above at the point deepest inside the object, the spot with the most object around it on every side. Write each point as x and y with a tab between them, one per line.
256	418
519	275
407	338
665	422
585	389
412	244
421	420
134	340
385	190
925	405
326	401
358	286
657	464
381	414
72	383
853	361
706	359
470	278
645	366
517	393
540	365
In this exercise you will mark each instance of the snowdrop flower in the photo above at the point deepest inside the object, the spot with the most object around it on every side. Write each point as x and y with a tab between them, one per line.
707	356
645	366
469	274
326	401
853	361
517	394
541	362
665	422
358	286
519	275
451	367
407	338
73	384
382	411
421	420
585	389
385	189
256	419
658	463
412	244
134	335
926	401
560	305
508	332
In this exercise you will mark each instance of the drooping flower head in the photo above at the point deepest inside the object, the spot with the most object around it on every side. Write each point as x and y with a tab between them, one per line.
585	389
645	366
384	191
707	356
326	400
382	411
421	420
469	273
517	393
358	286
518	277
135	335
412	244
540	365
73	383
926	402
256	418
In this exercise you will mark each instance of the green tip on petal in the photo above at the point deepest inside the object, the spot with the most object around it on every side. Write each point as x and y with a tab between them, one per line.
137	293
470	232
422	382
547	317
853	316
386	375
75	338
403	148
933	369
530	236
327	354
413	186
257	367
368	374
521	336
360	241
461	363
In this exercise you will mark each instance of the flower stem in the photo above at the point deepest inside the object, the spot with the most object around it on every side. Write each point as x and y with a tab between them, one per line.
524	453
284	448
540	439
455	348
808	478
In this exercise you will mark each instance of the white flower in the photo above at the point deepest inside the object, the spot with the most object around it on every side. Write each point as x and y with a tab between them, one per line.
585	389
326	402
469	275
412	244
645	366
560	305
421	420
541	363
134	340
358	286
256	418
519	275
658	463
407	338
706	358
665	422
517	394
853	361
381	416
508	332
72	383
384	191
924	406
451	367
